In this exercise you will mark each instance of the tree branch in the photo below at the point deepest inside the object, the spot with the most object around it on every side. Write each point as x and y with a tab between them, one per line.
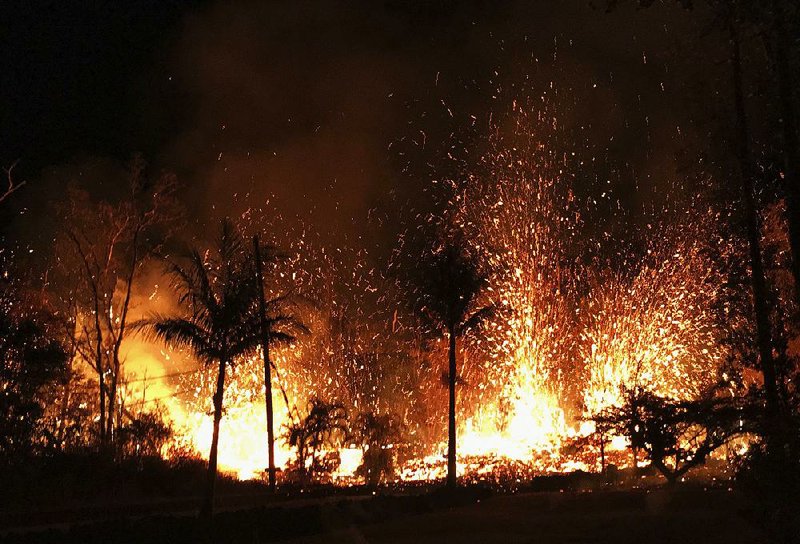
12	186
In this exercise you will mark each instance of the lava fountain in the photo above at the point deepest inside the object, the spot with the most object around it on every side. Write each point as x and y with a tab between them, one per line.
572	329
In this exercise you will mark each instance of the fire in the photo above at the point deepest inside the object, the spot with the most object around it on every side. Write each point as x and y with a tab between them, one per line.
567	341
536	424
243	439
567	337
654	331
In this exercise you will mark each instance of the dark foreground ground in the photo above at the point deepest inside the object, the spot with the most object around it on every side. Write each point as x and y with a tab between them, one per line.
553	518
683	516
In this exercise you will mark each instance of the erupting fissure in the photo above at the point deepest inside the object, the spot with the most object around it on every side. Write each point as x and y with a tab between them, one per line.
568	336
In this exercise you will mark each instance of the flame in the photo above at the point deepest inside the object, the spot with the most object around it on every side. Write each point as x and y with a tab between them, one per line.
243	439
566	338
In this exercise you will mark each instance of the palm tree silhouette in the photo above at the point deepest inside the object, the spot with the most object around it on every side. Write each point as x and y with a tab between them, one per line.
218	294
276	326
326	425
450	286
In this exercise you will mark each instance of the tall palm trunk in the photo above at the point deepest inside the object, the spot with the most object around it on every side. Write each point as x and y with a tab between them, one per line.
270	413
267	363
211	478
763	333
451	416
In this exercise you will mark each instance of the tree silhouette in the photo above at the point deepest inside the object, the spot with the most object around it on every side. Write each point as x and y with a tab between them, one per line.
773	21
31	359
777	22
450	285
218	294
324	426
276	326
103	246
676	435
377	435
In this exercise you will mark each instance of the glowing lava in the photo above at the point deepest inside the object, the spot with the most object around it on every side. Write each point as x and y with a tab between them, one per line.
571	330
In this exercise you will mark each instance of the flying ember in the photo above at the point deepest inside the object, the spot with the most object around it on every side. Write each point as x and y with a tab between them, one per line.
568	337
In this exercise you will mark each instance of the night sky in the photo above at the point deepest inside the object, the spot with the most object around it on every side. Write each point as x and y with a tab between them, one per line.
321	107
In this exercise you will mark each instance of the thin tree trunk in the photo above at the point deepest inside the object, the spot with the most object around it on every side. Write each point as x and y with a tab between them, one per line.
112	399
602	453
101	381
68	387
763	333
451	415
302	454
207	508
91	278
100	368
65	406
313	470
120	334
265	340
791	150
99	357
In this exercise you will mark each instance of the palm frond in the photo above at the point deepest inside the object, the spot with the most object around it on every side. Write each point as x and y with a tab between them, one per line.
180	332
282	338
287	324
449	281
478	318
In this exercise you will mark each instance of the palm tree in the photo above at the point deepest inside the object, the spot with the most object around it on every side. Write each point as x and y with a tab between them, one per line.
218	294
276	326
325	425
450	286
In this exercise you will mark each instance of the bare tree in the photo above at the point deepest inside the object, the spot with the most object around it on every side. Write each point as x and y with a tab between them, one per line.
104	246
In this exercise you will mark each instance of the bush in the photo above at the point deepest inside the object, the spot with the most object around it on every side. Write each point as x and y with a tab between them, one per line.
377	435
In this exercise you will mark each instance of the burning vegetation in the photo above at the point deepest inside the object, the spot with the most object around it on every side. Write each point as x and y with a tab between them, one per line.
536	327
520	324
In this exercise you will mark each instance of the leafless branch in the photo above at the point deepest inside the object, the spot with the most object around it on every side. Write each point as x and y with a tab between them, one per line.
12	186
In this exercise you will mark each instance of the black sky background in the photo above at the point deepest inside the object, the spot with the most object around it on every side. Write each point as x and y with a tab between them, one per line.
314	105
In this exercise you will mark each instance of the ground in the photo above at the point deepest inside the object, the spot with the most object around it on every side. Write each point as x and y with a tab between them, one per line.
685	515
554	518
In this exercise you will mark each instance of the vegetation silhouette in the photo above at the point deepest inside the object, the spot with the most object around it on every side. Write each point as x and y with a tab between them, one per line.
325	426
675	435
218	293
450	286
276	326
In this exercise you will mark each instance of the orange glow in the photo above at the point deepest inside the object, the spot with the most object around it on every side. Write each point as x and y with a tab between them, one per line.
565	341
